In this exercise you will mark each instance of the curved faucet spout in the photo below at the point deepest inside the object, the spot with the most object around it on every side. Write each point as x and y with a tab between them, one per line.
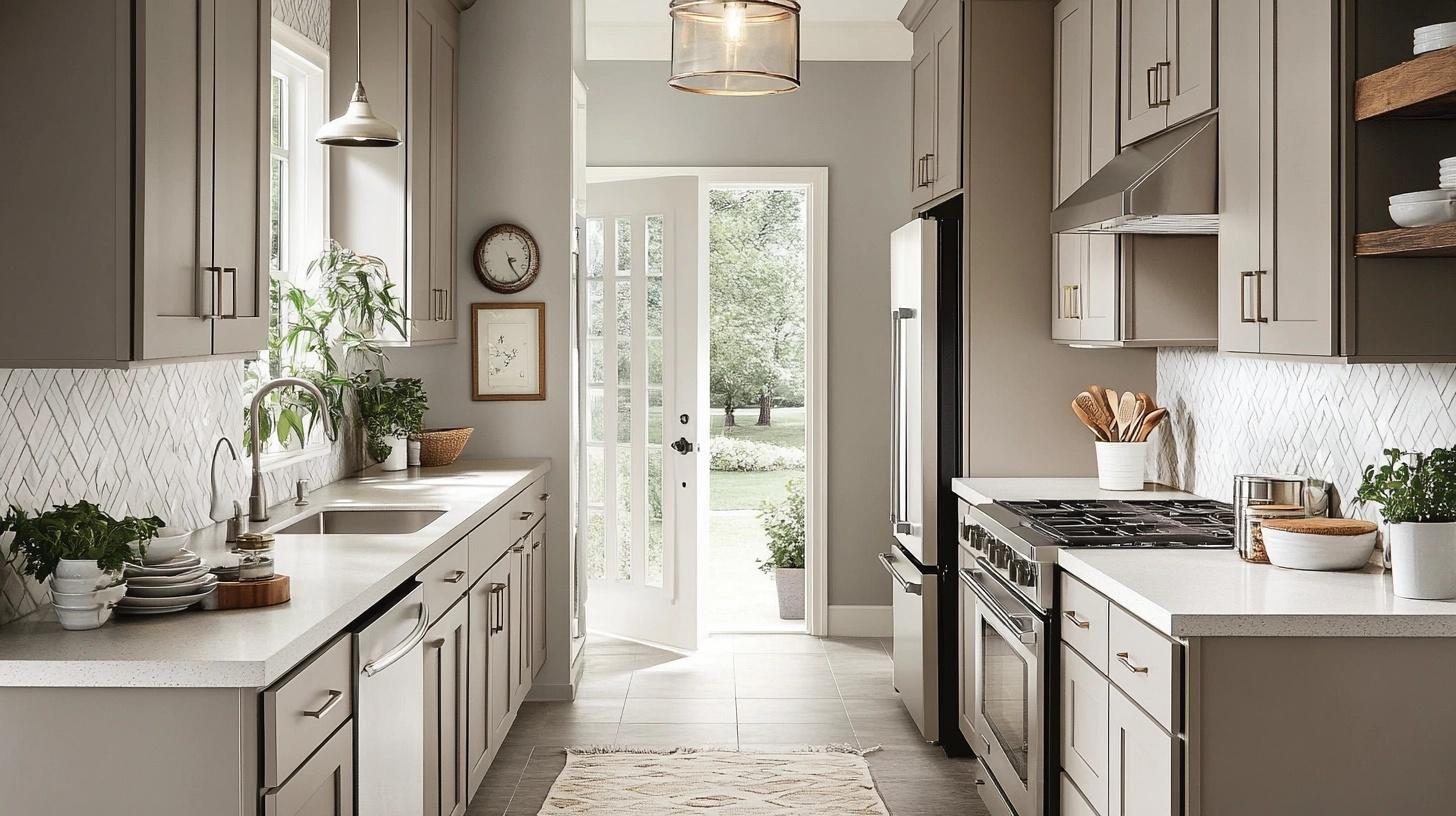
258	497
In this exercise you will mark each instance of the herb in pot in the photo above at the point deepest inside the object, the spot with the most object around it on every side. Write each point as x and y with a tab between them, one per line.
74	532
1413	487
783	522
390	408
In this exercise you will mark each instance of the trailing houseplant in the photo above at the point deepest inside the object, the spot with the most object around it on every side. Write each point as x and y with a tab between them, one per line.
80	532
1417	497
391	410
783	523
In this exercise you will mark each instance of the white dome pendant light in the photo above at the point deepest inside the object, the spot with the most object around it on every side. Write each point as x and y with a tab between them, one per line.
358	127
735	47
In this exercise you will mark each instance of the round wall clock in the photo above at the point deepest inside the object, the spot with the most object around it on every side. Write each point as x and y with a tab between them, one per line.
507	259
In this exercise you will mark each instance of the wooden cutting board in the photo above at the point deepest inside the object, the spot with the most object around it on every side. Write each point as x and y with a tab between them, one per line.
251	594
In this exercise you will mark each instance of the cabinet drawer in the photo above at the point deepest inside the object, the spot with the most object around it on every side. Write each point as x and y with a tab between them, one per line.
1072	802
1084	621
1144	763
488	543
527	509
324	785
1147	666
305	707
1084	727
445	579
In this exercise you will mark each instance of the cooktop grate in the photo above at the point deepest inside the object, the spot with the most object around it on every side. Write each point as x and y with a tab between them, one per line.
1172	524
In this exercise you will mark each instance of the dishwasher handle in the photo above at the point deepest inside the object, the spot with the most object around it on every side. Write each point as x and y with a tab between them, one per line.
907	585
396	654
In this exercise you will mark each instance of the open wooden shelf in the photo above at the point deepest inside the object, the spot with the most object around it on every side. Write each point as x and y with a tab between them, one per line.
1413	242
1422	88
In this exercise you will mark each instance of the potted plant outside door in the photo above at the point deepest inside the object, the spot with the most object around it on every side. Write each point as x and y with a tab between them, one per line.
783	522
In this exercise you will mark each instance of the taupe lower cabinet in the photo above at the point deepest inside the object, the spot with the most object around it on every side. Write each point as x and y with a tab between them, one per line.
1168	64
133	224
935	167
323	786
399	203
446	684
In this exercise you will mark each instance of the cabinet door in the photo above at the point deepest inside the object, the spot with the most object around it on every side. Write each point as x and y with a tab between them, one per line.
1071	154
501	673
1143	766
430	57
323	786
480	606
1298	293
241	67
1073	803
1084	726
444	66
922	119
446	681
519	629
945	159
1144	47
538	598
1245	58
1190	75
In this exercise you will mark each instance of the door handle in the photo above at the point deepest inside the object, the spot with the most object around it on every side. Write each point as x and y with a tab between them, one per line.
214	299
526	516
498	592
683	446
230	272
930	169
1259	296
323	711
455	577
905	584
1125	659
394	655
1152	87
1244	298
1165	97
1071	615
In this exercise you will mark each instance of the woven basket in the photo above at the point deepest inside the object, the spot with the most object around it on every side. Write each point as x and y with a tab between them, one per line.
443	446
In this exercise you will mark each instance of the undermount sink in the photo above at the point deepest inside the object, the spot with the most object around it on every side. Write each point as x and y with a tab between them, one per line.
361	521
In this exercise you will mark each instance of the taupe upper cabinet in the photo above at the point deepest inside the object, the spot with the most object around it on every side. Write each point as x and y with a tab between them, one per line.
134	221
936	67
399	203
1168	72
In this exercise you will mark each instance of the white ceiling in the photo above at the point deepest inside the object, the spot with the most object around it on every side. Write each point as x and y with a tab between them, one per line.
832	30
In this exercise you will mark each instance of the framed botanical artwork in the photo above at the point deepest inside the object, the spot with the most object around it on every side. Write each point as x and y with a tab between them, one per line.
507	351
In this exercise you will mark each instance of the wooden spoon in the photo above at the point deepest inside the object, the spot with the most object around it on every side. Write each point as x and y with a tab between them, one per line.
1150	424
1081	406
1098	409
1114	399
1126	415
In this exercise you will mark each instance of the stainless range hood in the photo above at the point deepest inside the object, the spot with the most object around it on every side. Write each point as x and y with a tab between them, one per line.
1165	185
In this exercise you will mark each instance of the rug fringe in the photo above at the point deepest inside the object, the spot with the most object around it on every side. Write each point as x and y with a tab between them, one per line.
601	750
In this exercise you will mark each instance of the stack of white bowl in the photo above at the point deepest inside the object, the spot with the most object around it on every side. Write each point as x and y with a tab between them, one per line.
84	595
1434	37
1424	209
1448	174
170	577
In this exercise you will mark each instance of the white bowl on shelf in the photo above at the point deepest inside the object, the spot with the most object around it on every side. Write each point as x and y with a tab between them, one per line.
1433	45
1311	551
1424	213
1435	29
1421	195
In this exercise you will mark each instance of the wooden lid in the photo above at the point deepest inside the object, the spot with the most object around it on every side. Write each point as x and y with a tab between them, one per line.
1322	526
1256	509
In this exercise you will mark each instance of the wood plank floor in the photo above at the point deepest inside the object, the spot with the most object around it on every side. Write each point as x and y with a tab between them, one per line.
749	692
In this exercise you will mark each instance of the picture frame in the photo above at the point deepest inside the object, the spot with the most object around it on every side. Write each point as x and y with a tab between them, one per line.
507	351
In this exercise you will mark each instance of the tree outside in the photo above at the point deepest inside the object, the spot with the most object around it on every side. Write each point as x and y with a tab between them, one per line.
756	282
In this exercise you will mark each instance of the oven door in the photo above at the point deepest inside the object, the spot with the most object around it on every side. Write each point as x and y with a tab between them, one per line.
1009	640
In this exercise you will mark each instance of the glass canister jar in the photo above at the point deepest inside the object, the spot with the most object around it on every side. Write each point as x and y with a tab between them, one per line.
1251	540
255	556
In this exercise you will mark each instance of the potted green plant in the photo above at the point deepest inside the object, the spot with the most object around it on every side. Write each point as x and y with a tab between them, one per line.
75	540
391	410
1417	497
783	522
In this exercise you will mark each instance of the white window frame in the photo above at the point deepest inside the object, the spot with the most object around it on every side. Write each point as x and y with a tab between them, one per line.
304	66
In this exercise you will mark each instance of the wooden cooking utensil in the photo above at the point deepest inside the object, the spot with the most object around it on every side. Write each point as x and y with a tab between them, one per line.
1098	409
1150	423
1139	412
1081	406
1126	414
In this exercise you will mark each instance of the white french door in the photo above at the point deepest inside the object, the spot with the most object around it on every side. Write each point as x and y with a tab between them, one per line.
643	456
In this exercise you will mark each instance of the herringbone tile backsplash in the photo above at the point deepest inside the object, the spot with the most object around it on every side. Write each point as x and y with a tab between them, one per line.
137	442
1234	415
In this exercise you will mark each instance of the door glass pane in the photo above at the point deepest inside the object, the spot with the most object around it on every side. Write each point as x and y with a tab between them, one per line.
277	178
595	316
1004	691
654	554
596	544
624	363
624	309
654	245
654	420
624	246
596	248
276	111
596	363
624	515
596	406
624	427
654	307
596	476
654	362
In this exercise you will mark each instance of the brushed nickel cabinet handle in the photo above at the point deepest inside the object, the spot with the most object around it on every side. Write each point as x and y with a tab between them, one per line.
323	711
518	549
1071	615
1152	87
1123	658
1244	298
544	497
526	516
214	292
231	272
1259	296
930	169
1165	85
437	643
455	577
1077	301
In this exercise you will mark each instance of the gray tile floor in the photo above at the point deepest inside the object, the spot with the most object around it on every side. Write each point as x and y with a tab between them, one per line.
749	692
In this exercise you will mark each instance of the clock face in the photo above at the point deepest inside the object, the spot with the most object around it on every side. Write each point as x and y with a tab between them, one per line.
507	258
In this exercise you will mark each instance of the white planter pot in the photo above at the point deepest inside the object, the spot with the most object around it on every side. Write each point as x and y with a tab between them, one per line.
1121	465
80	568
790	584
1423	560
398	458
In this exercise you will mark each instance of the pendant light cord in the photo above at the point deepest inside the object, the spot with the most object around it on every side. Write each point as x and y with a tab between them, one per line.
358	43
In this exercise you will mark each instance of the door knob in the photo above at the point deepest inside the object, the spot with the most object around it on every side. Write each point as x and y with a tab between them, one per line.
683	446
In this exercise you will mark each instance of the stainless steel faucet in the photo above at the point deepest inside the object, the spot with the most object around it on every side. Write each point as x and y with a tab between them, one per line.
258	498
219	511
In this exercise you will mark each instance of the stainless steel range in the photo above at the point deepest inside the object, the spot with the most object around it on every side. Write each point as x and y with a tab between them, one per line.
1007	574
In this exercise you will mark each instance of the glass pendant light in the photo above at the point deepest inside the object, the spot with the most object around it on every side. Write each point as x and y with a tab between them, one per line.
735	47
358	127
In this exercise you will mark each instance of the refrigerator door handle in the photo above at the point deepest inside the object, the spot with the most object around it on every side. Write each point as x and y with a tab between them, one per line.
898	316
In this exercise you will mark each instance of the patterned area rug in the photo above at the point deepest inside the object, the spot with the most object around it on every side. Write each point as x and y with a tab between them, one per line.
639	782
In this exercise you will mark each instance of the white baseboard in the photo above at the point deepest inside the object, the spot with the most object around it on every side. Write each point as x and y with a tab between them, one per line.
846	620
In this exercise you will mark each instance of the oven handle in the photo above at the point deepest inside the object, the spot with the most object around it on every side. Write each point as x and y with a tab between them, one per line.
912	587
1016	623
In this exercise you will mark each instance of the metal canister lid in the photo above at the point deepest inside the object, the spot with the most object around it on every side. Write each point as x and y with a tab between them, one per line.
254	541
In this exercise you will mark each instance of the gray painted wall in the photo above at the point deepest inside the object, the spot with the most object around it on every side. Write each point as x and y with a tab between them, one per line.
514	166
852	117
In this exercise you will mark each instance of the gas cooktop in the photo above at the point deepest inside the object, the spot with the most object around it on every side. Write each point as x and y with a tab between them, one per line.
1164	524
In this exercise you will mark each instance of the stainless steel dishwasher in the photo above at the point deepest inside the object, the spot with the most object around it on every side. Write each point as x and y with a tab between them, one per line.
389	734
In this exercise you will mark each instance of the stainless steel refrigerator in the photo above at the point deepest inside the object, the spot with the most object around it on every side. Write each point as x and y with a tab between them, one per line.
925	318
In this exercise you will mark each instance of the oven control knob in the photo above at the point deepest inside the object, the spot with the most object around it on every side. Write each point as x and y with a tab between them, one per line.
1014	571
1027	577
1002	556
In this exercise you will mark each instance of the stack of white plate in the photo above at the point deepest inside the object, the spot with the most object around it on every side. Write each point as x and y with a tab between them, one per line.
170	586
1435	37
1448	173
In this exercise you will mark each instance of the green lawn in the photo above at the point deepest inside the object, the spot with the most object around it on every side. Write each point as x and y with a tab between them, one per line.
786	431
745	491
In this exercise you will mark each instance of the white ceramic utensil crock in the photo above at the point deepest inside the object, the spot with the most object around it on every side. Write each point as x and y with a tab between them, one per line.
1121	465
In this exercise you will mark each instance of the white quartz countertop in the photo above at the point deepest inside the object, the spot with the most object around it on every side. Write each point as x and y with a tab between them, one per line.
989	489
1214	593
334	579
